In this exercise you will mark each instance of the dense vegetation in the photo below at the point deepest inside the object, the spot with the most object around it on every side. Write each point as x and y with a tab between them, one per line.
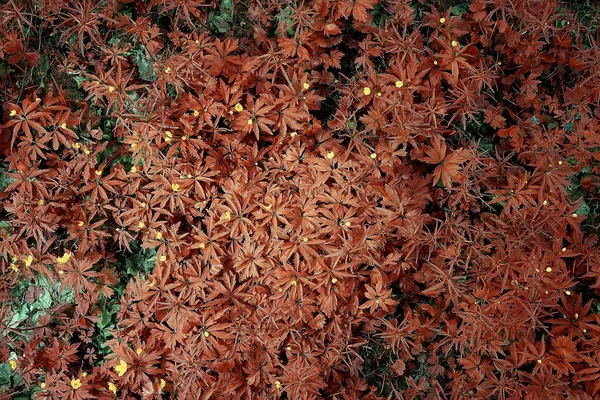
346	199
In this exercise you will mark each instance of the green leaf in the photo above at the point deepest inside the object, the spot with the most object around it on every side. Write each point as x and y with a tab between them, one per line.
145	66
5	374
583	209
5	180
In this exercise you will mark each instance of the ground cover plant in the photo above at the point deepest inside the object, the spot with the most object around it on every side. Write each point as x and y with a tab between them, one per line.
262	199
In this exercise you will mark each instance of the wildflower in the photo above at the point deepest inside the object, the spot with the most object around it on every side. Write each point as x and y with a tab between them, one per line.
75	383
28	260
80	223
277	384
196	113
366	91
162	258
141	224
13	364
306	85
454	43
334	281
548	269
76	146
111	89
64	259
64	125
163	383
121	368
399	84
227	215
99	172
168	135
238	107
373	155
292	134
442	20
330	154
133	169
13	113
133	145
86	151
175	187
159	235
250	121
112	387
138	351
294	283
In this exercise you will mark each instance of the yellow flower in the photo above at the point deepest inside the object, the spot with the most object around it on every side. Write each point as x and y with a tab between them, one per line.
548	269
133	145
76	146
163	383
167	70
86	151
196	113
13	113
121	368
99	172
306	85
184	138
75	383
454	43
442	20
238	107
206	334
138	351
175	187
111	89
64	125
141	224
168	135
41	202
227	215
112	387
159	235
294	283
347	223
133	169
13	364
202	245
292	134
163	258
84	374
14	267
399	84
43	385
64	259
277	384
373	155
334	281
80	223
250	121
28	260
330	155
151	284
366	91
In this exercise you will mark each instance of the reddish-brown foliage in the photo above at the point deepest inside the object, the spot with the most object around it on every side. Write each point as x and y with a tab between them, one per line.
325	199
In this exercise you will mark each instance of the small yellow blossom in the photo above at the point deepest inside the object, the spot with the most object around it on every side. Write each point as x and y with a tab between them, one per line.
76	146
159	235
163	383
548	269
227	216
13	113
13	364
373	155
43	385
250	121
292	134
151	284
75	383
539	361
305	240
38	99
80	223
277	384
334	281
86	151
367	91
568	292
133	169
202	245
64	259
564	249
84	374
64	125
112	387
133	145
574	215
167	70
238	107
168	135
29	260
442	20
379	94
61	272
294	283
111	89
206	334
435	62
289	348
41	202
306	86
399	84
196	113
163	258
121	368
454	43
99	172
138	351
141	224
330	155
14	267
184	137
189	176
175	187
348	223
